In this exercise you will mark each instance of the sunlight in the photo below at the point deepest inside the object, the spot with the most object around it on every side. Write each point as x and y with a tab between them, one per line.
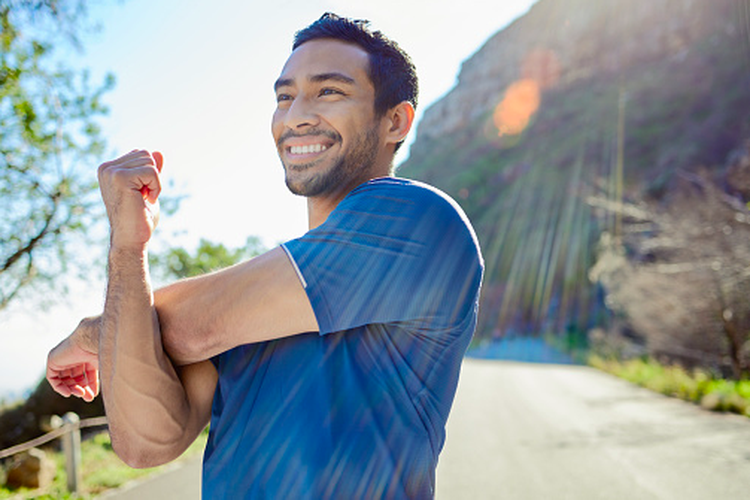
519	104
540	70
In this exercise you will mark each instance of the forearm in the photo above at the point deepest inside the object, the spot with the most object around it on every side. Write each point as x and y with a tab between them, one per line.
143	396
255	301
180	320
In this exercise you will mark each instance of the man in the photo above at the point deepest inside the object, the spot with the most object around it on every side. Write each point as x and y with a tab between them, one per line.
327	366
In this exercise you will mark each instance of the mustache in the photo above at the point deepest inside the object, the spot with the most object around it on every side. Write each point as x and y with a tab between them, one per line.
334	136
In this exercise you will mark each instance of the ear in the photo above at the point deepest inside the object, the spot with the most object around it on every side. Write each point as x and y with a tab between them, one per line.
399	121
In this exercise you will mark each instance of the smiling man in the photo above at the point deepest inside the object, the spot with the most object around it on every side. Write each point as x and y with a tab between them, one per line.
327	366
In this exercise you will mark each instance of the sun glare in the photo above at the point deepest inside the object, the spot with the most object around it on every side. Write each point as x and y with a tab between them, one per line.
519	104
540	70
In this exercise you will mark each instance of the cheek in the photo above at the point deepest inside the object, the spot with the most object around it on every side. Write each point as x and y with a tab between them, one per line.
276	126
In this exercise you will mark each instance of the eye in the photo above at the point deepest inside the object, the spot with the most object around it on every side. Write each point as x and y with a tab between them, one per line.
330	91
283	101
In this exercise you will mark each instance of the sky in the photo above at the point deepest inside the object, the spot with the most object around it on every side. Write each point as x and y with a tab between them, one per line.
195	81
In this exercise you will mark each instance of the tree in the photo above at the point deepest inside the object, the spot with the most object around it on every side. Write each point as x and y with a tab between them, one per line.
49	144
176	263
680	273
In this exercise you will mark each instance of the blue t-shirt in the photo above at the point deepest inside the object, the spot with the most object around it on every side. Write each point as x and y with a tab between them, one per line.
357	410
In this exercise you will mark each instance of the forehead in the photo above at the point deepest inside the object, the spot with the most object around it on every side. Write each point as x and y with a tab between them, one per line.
327	56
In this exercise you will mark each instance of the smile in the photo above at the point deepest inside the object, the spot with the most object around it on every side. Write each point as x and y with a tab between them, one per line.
307	149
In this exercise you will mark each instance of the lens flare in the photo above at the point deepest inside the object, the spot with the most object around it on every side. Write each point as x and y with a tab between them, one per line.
519	104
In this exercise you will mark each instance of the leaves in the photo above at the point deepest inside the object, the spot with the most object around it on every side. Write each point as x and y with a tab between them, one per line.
50	143
177	263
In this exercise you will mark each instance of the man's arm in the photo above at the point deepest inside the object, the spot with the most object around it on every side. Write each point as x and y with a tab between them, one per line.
154	413
200	317
254	301
73	369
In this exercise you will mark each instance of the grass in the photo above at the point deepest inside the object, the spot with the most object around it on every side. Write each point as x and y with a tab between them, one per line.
101	469
697	386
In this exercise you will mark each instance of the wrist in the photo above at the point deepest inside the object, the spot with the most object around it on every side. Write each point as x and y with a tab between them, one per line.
128	257
87	334
123	247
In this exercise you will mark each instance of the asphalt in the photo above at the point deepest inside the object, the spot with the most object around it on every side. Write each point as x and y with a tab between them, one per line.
545	431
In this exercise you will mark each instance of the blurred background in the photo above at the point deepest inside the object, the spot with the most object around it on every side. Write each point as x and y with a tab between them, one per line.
190	79
600	148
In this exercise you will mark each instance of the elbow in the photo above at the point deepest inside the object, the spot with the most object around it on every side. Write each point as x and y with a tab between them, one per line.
183	343
141	456
138	461
185	349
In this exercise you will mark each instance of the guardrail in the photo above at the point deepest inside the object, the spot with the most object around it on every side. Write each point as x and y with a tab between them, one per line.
68	428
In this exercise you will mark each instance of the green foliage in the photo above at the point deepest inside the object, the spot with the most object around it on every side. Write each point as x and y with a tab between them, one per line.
102	470
698	386
178	263
49	143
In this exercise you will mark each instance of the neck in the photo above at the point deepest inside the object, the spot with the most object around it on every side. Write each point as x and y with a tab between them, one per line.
318	210
320	207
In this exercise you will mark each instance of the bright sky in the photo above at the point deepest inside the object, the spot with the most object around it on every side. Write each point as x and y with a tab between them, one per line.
194	80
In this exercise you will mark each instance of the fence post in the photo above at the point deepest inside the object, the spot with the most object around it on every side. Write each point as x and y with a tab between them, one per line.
71	442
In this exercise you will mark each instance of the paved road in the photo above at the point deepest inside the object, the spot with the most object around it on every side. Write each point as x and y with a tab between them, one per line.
180	482
533	431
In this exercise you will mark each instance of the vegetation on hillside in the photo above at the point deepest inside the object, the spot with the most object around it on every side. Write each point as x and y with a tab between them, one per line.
542	199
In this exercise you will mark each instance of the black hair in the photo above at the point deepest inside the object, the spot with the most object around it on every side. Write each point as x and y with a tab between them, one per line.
391	70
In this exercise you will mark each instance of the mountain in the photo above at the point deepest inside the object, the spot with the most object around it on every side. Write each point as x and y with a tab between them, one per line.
582	100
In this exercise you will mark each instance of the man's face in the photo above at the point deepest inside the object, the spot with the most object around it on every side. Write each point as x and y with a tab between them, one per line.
324	125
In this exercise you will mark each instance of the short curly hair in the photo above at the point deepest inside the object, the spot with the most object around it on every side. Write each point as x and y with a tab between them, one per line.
391	70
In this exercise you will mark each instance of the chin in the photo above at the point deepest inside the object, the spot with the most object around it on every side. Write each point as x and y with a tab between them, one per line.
302	185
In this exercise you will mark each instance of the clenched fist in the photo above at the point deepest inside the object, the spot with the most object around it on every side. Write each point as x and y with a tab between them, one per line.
130	188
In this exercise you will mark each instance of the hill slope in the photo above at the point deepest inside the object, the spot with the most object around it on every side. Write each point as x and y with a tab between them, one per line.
580	99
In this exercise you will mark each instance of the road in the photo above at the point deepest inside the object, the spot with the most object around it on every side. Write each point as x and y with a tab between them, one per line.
539	431
535	431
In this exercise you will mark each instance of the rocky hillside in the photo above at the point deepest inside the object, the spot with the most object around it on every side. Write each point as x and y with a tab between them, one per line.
563	43
571	109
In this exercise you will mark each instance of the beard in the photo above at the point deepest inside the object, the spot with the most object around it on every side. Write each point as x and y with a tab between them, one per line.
346	168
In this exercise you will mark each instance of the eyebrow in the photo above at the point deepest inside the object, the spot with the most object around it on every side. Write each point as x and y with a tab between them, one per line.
319	78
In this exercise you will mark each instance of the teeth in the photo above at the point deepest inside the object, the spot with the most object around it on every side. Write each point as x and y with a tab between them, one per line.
303	150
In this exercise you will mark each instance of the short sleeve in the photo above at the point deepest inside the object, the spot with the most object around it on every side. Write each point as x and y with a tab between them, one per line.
392	251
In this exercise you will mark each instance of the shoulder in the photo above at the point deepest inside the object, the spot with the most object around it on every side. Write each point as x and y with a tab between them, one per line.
405	197
397	187
411	210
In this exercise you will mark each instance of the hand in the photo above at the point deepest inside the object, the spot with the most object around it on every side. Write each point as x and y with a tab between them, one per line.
130	188
73	365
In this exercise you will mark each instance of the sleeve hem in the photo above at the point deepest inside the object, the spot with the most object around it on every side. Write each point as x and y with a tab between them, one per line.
296	267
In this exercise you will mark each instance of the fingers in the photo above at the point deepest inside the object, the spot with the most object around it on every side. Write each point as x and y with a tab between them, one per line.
72	370
130	186
148	192
84	385
92	385
159	159
81	381
137	170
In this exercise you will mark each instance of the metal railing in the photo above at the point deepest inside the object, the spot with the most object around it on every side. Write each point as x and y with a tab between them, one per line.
68	428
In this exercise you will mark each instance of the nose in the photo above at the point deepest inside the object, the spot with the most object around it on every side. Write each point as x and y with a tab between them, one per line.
300	114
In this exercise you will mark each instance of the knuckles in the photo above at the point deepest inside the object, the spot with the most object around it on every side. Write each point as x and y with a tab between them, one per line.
123	168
